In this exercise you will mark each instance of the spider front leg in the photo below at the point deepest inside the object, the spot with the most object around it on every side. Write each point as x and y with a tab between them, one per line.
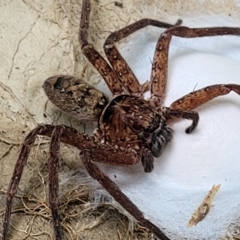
160	60
121	76
118	63
93	56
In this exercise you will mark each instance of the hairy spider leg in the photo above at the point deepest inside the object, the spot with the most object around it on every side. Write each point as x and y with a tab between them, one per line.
120	77
125	73
119	196
203	95
160	67
89	147
67	135
93	56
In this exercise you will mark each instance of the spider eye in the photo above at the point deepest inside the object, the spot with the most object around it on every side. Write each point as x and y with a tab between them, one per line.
160	140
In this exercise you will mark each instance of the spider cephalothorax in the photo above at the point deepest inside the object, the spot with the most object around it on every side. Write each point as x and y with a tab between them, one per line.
130	129
132	121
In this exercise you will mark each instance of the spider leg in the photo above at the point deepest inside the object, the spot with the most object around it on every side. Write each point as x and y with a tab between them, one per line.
121	74
18	170
118	63
67	135
182	113
124	158
108	74
201	96
53	165
118	195
160	61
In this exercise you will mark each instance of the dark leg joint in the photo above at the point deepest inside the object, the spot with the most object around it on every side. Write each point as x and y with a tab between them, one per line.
195	118
176	113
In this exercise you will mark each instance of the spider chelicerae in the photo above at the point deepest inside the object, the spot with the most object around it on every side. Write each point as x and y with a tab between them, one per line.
130	128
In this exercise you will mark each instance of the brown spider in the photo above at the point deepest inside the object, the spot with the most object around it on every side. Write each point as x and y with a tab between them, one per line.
130	129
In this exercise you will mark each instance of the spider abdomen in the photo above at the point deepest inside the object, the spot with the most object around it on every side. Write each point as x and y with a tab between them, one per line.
75	97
